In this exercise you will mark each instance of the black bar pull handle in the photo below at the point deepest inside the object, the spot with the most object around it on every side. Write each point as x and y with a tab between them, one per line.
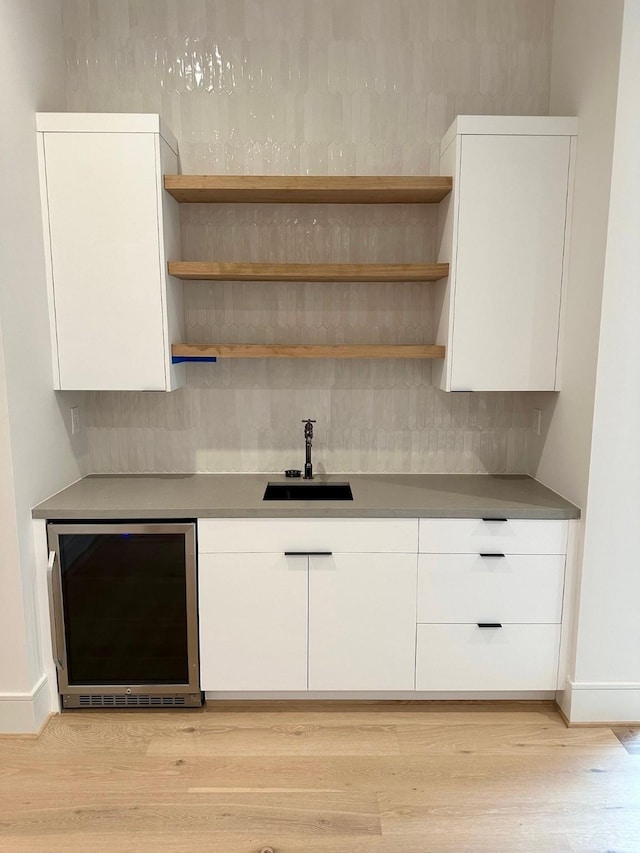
489	624
492	555
495	519
308	553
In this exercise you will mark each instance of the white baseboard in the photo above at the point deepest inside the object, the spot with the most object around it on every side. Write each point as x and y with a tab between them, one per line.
601	701
25	713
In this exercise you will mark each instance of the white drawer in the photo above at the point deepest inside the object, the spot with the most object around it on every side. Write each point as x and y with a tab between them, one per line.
465	657
477	536
355	535
471	588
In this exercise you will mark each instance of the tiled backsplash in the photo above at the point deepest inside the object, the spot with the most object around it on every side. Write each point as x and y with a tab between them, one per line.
308	87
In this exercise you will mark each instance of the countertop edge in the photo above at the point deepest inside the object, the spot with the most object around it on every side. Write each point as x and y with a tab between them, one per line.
550	514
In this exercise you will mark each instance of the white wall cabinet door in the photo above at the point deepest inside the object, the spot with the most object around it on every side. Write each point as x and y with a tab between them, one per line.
511	225
503	231
362	622
253	621
114	311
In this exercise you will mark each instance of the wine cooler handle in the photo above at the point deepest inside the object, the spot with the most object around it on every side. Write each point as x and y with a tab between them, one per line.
52	612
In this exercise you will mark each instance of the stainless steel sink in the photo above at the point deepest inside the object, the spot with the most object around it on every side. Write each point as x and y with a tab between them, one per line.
306	491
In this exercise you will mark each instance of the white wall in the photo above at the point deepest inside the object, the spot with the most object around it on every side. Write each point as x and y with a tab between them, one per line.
41	458
13	666
607	672
584	77
589	449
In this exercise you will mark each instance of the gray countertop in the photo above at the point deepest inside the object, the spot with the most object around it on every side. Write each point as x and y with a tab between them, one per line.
175	496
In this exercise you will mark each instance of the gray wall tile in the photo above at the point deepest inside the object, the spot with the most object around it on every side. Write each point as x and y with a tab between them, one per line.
308	87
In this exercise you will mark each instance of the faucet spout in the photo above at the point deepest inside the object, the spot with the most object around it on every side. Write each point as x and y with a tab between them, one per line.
308	436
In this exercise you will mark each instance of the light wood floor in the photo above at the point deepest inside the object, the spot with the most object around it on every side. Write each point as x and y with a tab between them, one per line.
322	778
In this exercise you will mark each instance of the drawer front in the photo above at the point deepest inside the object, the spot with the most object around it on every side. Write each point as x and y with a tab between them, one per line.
465	657
477	536
277	535
470	588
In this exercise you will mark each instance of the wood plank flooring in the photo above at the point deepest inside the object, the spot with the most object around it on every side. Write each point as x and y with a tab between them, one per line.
322	778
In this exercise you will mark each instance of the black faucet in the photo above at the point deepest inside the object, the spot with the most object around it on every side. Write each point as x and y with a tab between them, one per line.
308	435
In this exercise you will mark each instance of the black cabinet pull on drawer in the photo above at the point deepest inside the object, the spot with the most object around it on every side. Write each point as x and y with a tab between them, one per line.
308	553
489	624
495	519
492	555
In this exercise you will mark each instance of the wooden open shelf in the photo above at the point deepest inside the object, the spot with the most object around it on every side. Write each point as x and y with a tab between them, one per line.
307	351
308	189
205	271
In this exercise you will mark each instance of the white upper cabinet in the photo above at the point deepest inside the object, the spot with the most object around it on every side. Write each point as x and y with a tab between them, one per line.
109	228
503	230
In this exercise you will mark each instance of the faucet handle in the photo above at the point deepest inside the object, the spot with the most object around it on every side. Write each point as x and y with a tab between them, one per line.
308	421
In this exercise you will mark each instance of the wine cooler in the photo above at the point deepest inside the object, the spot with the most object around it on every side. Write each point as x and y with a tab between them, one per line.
124	614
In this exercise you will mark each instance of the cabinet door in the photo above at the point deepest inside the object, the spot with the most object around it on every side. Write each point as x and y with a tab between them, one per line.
253	621
362	622
510	245
105	255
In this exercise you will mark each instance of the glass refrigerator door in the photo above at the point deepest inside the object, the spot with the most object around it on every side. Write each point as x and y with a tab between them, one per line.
125	607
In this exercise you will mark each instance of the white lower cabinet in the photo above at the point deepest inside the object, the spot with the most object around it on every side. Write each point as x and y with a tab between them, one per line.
362	605
362	622
470	658
336	622
319	604
253	621
489	612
